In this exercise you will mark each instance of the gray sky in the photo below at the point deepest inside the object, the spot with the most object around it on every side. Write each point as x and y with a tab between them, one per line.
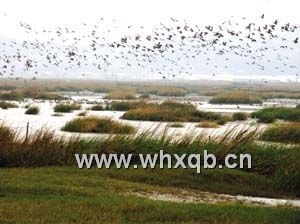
59	12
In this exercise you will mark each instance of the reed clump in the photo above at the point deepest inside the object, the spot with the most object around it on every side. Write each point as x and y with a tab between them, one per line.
66	108
33	110
93	124
121	95
240	116
6	105
269	115
284	132
170	112
278	165
125	105
97	107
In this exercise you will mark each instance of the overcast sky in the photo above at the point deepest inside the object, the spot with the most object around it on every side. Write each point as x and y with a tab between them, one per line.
47	13
60	12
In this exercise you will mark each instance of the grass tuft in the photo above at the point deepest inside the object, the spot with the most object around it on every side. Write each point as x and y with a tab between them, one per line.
171	112
97	108
269	115
66	108
97	125
6	105
33	110
240	116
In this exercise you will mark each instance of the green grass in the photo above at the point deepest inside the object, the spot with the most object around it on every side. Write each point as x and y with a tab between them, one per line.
236	98
277	167
40	184
97	125
70	195
66	108
33	110
269	115
286	133
171	112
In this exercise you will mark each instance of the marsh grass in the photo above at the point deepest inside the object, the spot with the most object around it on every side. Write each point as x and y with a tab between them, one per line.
33	110
269	115
97	108
240	116
33	92
170	112
163	91
6	105
93	124
236	98
276	165
66	108
283	132
121	95
126	105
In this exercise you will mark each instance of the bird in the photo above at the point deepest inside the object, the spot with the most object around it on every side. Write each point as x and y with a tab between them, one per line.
172	47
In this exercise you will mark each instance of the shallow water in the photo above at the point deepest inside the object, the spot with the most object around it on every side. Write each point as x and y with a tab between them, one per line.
16	118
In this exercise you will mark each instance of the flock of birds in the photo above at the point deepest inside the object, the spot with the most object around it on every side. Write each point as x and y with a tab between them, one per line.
168	49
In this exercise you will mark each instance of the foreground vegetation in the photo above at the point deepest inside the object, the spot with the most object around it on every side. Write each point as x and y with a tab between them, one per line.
94	124
277	167
71	195
104	195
